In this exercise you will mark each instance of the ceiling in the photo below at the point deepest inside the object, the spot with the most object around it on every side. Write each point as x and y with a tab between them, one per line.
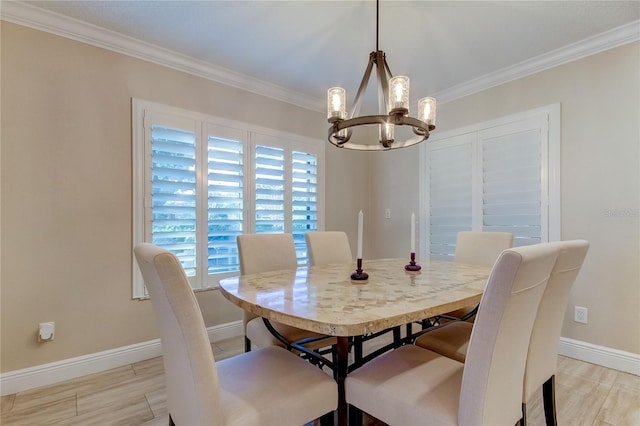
308	46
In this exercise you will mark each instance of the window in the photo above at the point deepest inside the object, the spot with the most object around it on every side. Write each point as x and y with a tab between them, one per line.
501	175
200	181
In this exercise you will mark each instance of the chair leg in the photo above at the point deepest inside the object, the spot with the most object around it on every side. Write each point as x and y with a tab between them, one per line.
549	400
171	423
327	419
356	417
247	344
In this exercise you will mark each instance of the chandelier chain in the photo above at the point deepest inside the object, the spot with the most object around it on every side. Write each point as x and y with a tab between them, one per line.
377	22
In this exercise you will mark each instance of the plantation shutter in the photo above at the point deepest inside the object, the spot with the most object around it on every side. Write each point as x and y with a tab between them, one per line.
450	165
512	182
269	189
304	195
200	181
225	198
173	193
501	175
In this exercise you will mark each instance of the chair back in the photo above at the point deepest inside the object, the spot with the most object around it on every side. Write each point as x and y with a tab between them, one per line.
266	252
481	248
263	253
327	247
493	375
543	351
192	382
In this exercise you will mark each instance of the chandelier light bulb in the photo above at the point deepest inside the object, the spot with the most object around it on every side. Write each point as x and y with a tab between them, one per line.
386	134
399	93
427	110
336	103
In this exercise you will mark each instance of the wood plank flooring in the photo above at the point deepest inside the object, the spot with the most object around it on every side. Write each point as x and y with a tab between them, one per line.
586	394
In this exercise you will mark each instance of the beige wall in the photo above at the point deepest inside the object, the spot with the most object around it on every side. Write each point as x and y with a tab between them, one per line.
600	181
66	189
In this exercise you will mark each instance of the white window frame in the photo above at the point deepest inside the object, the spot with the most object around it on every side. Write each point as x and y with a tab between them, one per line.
142	113
548	119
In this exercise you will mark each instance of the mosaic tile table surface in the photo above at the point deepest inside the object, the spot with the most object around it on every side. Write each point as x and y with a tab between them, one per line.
325	300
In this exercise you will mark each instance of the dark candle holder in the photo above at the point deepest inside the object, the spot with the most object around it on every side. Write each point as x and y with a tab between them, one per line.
413	266
359	275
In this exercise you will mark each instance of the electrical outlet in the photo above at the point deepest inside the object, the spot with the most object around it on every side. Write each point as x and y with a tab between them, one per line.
581	314
46	331
387	213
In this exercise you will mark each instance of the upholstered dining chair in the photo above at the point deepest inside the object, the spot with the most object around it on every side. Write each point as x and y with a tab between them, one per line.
237	390
452	339
478	248
412	385
542	359
326	247
263	253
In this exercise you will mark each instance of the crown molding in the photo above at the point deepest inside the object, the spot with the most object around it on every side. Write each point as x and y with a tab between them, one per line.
43	20
599	43
54	23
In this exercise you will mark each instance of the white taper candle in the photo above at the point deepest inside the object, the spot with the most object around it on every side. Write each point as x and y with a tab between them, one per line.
413	233
360	219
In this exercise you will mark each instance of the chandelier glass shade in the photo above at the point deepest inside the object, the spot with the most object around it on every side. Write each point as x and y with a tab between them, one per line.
394	94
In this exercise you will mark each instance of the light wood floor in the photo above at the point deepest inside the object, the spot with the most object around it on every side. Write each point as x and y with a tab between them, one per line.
586	394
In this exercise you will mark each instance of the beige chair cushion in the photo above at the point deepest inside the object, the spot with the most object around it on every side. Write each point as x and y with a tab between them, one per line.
450	340
407	386
271	386
328	247
237	391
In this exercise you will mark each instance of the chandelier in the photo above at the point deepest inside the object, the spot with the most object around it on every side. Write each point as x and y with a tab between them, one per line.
394	102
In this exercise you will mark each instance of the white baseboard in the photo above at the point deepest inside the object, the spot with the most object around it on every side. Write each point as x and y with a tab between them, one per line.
600	355
46	374
54	372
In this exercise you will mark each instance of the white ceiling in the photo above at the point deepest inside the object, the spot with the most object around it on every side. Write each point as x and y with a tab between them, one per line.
309	46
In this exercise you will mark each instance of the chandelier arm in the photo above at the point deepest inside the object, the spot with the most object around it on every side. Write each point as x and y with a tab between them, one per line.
355	108
382	77
386	66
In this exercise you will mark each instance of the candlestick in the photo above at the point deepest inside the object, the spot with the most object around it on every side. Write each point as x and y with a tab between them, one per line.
359	275
412	266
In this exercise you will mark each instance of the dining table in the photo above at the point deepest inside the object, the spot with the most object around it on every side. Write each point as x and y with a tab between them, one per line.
324	299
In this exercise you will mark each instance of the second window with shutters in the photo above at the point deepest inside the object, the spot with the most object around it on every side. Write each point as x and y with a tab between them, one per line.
501	175
199	182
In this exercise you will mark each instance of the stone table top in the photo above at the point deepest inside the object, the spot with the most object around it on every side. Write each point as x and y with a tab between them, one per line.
325	300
